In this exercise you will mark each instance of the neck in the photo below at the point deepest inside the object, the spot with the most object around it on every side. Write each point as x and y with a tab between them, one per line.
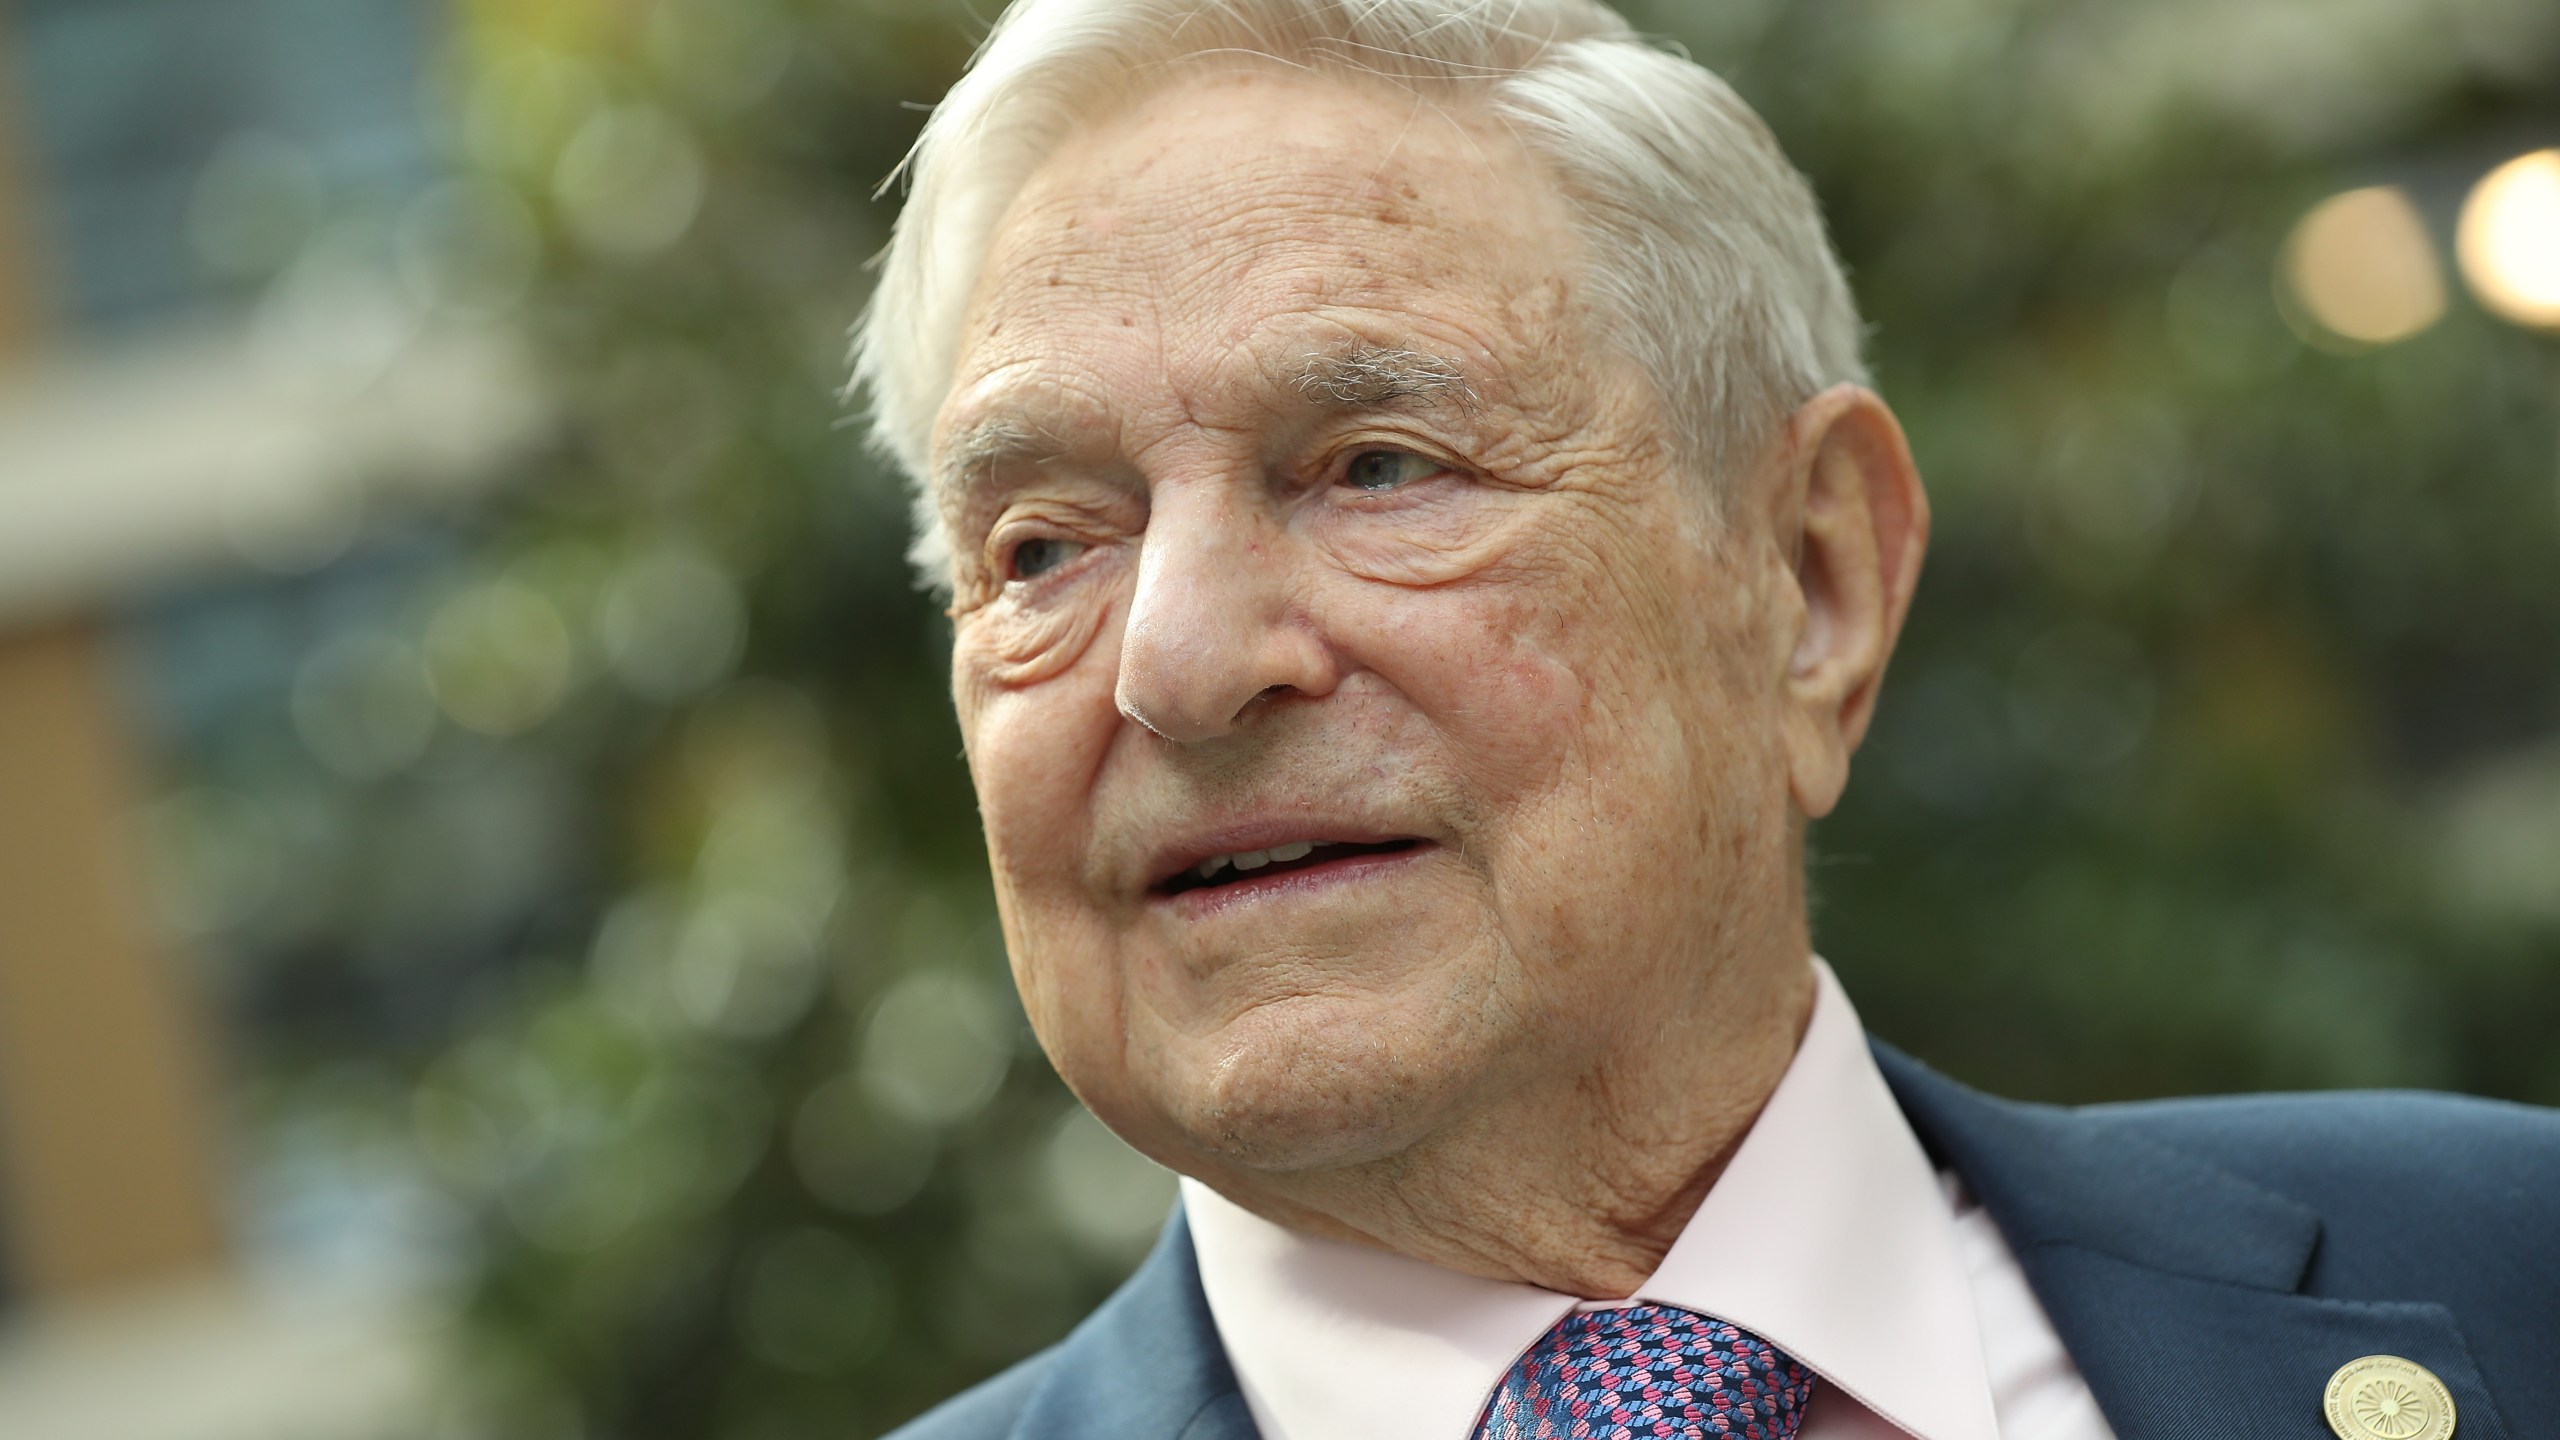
1578	1188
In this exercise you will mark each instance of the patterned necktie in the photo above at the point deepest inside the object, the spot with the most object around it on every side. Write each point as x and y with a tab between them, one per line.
1648	1371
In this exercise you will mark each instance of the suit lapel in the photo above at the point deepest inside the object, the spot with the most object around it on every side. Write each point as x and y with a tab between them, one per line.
1146	1366
2175	1284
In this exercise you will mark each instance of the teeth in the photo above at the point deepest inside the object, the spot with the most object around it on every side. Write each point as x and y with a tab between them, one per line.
1255	859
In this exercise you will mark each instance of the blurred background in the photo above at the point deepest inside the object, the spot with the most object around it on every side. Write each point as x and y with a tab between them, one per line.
493	934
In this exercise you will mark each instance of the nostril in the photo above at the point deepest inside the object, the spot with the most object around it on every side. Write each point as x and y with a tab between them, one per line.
1261	698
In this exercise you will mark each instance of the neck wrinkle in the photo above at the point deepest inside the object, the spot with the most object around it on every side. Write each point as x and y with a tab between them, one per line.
1584	1201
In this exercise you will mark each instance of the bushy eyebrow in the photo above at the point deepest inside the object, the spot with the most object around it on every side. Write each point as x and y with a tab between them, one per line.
983	446
1371	376
1356	377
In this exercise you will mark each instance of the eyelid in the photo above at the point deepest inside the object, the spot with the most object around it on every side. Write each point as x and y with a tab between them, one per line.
1004	541
1083	524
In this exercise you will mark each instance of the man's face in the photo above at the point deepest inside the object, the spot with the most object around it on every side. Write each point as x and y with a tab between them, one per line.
1366	723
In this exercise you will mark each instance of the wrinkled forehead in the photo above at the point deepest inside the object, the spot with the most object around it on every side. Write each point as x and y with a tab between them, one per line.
1192	252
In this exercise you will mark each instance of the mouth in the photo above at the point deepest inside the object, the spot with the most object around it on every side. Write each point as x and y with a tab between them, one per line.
1253	868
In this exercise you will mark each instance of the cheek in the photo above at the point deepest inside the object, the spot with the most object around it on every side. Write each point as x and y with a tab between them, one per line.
1035	751
1597	728
1488	677
1036	732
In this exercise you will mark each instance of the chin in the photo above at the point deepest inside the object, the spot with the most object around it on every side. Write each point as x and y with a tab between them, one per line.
1319	1082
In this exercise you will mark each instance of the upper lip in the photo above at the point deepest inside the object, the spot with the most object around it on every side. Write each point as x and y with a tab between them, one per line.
1194	847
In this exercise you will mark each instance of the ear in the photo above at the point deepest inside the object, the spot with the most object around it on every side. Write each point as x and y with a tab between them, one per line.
1849	498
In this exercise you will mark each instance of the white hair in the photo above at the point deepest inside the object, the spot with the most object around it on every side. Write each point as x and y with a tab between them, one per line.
1711	265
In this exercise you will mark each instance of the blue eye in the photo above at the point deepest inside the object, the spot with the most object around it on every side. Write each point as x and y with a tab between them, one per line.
1376	470
1037	557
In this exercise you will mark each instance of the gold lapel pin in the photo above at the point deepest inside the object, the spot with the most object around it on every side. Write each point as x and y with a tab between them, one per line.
2383	1397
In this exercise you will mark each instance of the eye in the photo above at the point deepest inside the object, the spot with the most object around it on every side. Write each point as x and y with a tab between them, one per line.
1377	470
1041	554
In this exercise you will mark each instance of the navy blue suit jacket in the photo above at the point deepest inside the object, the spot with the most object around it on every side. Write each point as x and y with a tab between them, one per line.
2209	1263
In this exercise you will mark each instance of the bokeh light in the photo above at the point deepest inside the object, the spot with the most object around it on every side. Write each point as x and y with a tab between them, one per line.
258	198
1109	1198
498	658
363	706
2360	270
935	1050
630	181
851	1157
2509	239
469	246
672	621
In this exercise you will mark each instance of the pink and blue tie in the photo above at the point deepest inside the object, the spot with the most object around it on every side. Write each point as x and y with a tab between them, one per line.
1648	1371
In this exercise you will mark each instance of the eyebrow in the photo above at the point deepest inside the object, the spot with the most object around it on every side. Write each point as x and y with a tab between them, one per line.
1370	376
981	447
1357	377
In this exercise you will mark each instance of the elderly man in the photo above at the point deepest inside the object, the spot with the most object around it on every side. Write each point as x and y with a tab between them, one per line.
1421	550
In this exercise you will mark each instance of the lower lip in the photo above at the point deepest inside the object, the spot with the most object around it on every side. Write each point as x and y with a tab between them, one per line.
1209	900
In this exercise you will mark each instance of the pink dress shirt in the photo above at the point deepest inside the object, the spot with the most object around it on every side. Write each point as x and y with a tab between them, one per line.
1829	1235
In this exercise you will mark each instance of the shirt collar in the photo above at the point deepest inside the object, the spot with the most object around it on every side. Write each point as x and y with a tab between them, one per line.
1827	1235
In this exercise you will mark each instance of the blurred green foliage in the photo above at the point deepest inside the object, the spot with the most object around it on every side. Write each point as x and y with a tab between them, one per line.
2223	751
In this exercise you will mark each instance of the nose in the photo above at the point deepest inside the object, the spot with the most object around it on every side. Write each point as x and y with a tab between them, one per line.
1217	620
